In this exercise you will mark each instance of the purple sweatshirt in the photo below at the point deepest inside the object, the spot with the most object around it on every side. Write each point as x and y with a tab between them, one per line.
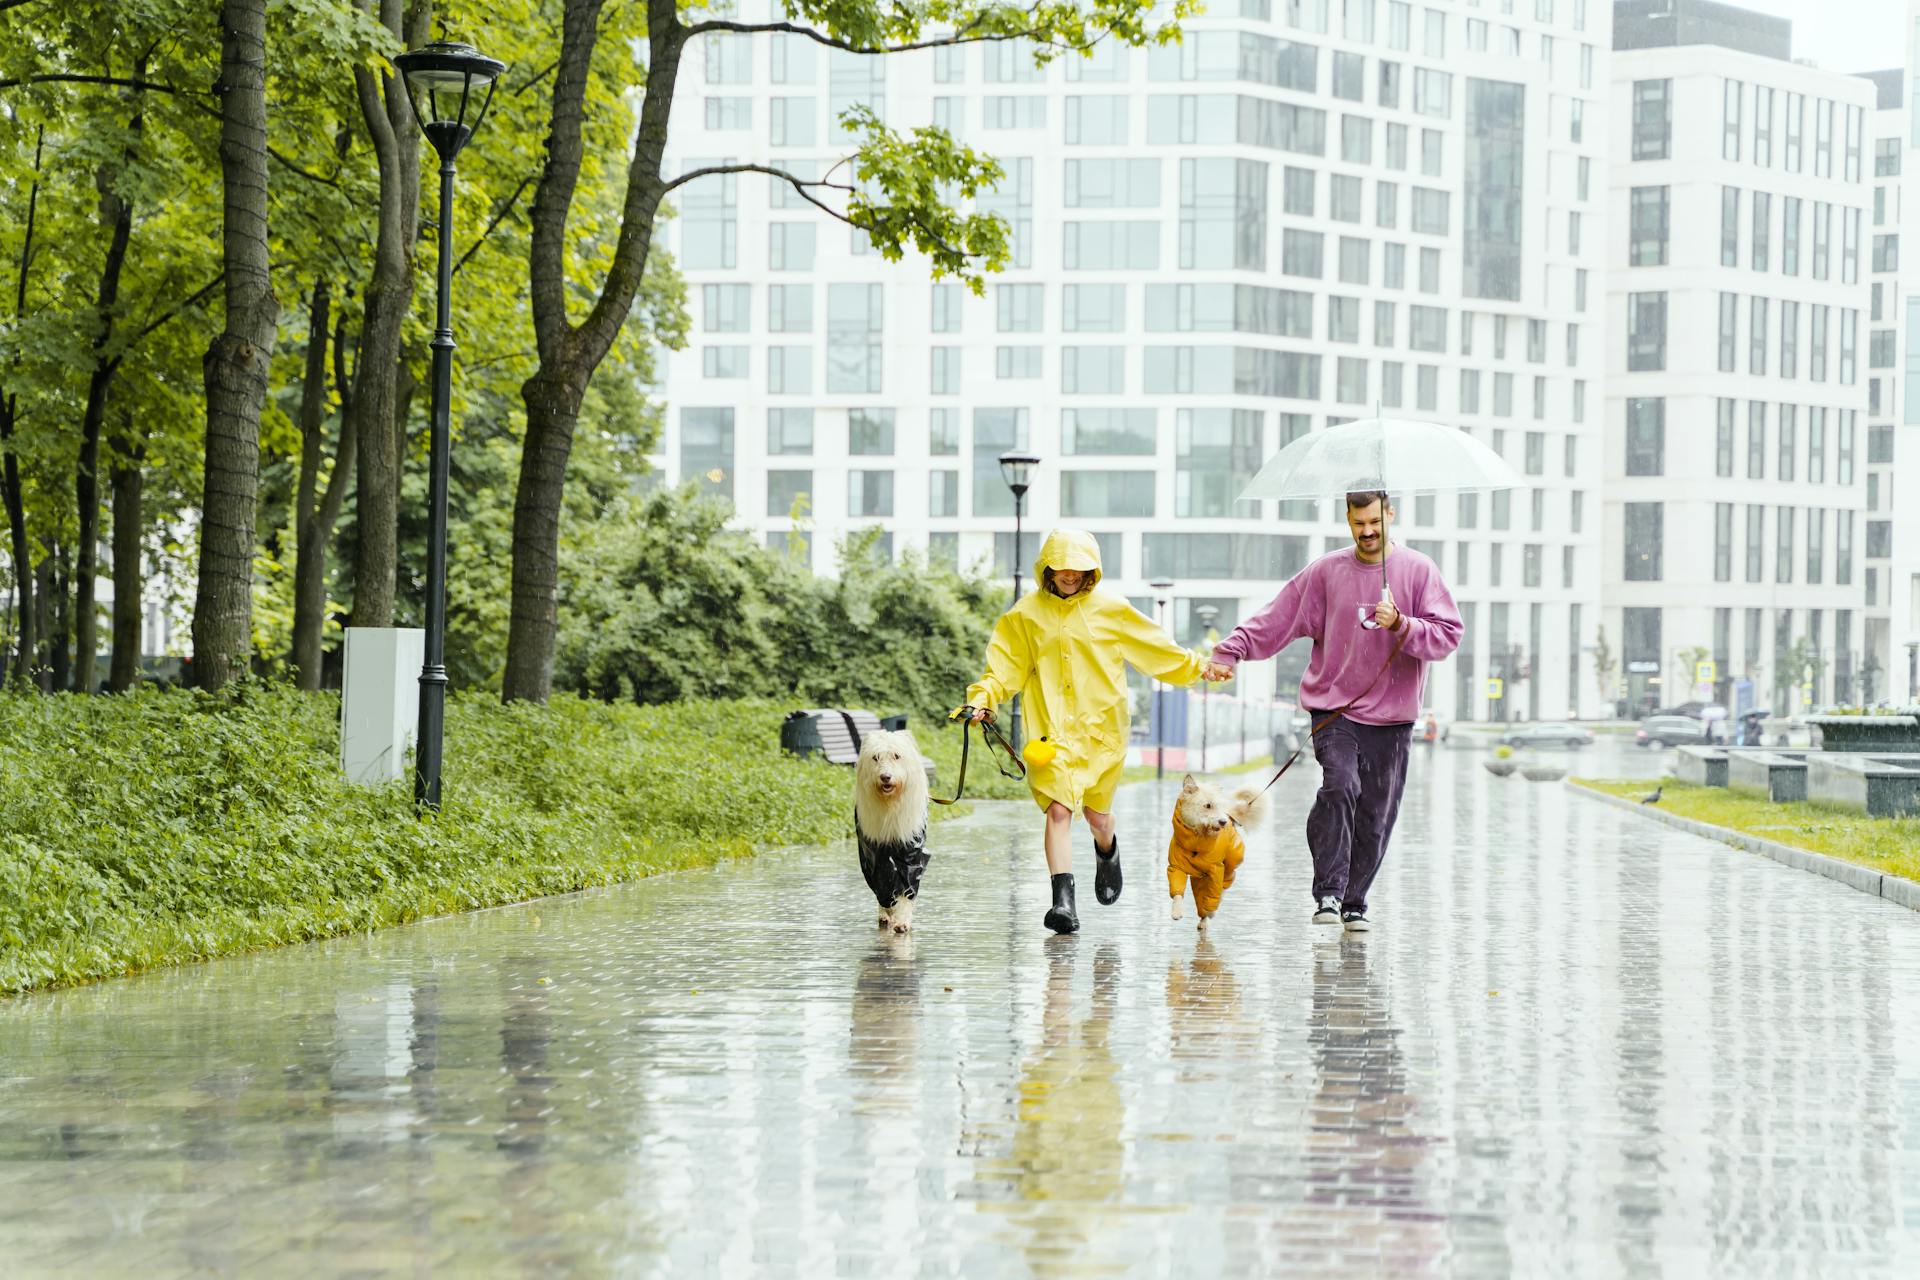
1321	603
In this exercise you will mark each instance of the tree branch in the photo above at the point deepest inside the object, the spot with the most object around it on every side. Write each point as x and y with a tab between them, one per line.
114	82
800	185
505	208
964	36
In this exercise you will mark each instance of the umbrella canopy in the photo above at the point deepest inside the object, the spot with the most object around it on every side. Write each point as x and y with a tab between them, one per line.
1399	455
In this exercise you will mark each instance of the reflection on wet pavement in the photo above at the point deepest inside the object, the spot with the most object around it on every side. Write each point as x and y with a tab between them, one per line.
1578	1043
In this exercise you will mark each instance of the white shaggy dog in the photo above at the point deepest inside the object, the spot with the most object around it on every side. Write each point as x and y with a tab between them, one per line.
890	822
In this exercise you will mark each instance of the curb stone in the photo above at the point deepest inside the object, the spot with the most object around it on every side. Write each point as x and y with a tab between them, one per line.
1895	889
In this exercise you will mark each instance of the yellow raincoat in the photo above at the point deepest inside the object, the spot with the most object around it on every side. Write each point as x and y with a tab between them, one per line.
1069	659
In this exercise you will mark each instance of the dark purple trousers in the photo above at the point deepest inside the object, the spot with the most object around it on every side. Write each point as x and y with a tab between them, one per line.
1363	768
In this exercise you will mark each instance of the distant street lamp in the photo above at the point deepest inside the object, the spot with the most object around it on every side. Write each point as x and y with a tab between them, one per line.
1162	589
1016	468
1207	614
441	78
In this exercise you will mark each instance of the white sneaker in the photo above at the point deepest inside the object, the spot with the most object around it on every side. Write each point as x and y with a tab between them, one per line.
1329	912
1356	921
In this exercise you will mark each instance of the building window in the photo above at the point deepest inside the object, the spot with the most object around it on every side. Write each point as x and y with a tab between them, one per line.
1762	219
1102	494
1723	438
1648	227
789	431
1789	440
789	246
1093	370
995	431
1723	542
789	493
870	432
723	362
709	219
1021	307
1817	444
1789	338
1643	540
1816	544
869	493
1732	91
790	370
1757	336
1652	119
1094	308
1109	433
1646	331
1783	544
1216	452
944	375
1223	214
855	320
943	433
1756	439
1646	436
1729	329
1729	226
1790	235
1756	542
706	449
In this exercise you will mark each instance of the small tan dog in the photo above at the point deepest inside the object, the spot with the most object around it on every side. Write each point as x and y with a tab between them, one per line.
890	822
1207	846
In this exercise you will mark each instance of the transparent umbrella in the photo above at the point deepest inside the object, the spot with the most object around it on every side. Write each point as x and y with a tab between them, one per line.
1399	455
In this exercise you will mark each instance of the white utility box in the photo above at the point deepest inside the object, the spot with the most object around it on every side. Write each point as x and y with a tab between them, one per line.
380	701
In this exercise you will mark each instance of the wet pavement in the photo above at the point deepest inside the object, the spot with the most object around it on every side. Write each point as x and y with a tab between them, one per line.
1577	1044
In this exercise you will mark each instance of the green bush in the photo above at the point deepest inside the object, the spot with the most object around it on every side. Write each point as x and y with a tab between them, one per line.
663	602
165	827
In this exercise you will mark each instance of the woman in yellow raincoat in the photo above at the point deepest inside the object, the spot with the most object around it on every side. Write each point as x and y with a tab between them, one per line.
1066	646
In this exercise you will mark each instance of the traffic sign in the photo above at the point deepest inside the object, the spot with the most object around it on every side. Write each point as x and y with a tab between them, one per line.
1703	672
1496	688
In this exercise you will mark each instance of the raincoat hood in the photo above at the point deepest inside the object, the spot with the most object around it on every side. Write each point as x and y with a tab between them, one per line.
1073	549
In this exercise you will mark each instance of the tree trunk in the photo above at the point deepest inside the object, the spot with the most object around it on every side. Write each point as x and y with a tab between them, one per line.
569	354
236	364
116	214
317	512
23	576
11	495
552	409
59	657
43	624
396	144
309	563
127	481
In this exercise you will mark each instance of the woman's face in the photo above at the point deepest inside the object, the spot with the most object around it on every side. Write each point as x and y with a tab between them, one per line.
1067	582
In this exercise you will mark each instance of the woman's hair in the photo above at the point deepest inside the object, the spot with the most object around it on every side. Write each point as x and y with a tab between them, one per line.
1086	580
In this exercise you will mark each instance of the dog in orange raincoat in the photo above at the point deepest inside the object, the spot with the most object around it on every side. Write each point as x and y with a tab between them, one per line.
1207	844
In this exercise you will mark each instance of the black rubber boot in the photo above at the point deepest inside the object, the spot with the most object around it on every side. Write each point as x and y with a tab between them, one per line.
1106	873
1061	917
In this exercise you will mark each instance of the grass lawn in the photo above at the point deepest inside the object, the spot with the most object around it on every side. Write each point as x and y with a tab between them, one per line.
1890	845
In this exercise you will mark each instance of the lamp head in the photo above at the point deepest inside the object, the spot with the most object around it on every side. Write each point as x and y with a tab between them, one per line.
1017	470
444	79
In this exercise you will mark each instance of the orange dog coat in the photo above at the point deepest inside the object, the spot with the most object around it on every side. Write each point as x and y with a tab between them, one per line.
1208	860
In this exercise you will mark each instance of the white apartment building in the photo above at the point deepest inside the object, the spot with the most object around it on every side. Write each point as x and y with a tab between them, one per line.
1737	393
1881	677
1307	209
1904	391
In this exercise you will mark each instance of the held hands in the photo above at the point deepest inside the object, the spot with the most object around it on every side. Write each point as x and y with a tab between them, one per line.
1215	672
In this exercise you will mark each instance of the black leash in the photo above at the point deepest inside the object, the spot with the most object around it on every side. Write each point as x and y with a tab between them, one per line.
991	736
1335	715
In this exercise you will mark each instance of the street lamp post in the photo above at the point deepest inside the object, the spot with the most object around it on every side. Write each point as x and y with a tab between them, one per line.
1162	589
1016	468
1207	613
441	78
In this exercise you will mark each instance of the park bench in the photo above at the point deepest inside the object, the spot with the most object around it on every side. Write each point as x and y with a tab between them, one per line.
835	733
1882	786
1779	776
1703	766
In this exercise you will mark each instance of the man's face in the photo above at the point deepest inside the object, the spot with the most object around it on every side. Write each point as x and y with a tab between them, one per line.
1369	525
1068	581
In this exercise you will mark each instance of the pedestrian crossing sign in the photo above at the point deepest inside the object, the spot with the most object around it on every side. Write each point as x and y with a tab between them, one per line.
1496	688
1703	673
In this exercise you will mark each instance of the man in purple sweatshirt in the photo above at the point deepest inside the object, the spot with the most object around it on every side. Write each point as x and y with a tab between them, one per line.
1371	648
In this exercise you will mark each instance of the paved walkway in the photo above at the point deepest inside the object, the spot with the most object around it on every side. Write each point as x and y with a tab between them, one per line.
1579	1044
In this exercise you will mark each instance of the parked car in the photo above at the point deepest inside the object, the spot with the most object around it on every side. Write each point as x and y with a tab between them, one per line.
1670	731
1546	733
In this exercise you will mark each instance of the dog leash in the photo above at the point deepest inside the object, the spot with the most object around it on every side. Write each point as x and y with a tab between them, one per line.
991	736
1335	715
